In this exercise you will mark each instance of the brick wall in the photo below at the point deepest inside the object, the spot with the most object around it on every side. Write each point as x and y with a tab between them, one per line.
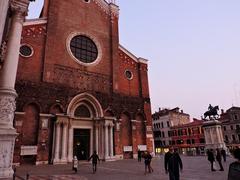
51	75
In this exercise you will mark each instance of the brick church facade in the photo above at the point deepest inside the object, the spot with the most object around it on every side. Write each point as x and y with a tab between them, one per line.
78	89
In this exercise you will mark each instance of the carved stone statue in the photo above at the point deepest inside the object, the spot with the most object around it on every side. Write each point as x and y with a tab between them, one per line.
212	113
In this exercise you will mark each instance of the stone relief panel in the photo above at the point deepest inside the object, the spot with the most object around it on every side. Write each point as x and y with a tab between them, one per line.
7	108
76	78
5	154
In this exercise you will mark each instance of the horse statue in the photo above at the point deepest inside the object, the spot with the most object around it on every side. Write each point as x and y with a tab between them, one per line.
212	112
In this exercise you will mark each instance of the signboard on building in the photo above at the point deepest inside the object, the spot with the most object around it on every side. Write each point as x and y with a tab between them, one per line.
127	148
142	147
28	150
149	136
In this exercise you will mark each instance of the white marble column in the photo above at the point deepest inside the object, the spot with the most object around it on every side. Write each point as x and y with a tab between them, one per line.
64	144
102	145
96	138
4	4
9	71
7	83
57	145
111	141
106	142
70	143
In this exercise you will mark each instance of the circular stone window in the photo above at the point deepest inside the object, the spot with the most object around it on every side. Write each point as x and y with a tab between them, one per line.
26	50
83	49
128	74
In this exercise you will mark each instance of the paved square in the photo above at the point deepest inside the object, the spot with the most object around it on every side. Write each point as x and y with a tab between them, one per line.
195	168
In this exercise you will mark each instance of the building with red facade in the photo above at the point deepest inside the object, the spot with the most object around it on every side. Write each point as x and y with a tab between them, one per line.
78	89
188	138
163	120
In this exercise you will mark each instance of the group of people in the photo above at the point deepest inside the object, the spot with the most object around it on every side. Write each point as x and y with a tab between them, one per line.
234	168
95	159
147	160
173	164
219	155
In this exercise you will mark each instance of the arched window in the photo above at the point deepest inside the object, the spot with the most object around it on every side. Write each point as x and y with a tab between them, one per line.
82	111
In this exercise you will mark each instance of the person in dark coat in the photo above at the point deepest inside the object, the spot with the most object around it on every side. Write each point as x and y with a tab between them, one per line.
219	159
211	158
147	161
223	153
139	155
234	168
95	159
172	163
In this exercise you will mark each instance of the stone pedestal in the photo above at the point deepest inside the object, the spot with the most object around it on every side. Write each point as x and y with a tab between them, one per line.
7	132
7	140
213	135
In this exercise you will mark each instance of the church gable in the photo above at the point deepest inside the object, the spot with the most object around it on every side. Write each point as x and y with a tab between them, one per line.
81	36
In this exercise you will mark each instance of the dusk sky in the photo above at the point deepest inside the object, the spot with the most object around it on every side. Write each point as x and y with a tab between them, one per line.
193	48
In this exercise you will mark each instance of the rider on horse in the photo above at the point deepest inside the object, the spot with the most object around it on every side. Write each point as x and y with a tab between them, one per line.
212	112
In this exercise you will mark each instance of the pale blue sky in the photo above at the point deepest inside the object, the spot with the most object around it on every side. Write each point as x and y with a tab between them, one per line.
193	47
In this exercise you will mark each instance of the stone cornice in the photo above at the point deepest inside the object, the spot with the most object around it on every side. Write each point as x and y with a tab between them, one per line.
108	8
35	21
132	56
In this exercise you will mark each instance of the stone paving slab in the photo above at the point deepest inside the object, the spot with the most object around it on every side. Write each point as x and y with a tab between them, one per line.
195	168
58	177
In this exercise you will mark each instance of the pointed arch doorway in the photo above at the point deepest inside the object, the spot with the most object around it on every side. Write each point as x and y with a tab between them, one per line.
83	130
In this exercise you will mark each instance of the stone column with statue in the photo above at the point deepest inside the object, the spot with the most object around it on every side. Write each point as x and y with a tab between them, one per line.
8	94
212	129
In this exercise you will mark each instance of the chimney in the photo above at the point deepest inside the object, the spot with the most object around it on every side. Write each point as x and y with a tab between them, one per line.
222	111
159	109
181	111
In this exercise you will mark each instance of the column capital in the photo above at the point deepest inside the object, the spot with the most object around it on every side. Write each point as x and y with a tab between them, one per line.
58	122
70	123
19	7
65	123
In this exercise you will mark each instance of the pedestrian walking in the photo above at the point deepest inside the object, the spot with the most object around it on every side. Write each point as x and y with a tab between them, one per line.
219	160
75	164
234	168
172	164
211	158
139	155
95	159
223	153
147	161
150	169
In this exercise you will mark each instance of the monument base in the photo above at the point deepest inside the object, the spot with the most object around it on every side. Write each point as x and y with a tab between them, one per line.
7	141
213	135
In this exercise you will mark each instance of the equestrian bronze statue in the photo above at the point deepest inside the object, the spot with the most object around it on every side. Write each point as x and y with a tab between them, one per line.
212	113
